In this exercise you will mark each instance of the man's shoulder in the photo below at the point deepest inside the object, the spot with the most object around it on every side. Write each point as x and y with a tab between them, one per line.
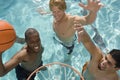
71	18
21	53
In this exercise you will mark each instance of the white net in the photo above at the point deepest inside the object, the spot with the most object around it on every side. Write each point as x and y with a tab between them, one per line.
56	71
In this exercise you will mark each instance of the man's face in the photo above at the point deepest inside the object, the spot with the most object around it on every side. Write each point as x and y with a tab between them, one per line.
107	63
57	13
34	42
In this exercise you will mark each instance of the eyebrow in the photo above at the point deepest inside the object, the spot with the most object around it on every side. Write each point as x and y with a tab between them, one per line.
108	61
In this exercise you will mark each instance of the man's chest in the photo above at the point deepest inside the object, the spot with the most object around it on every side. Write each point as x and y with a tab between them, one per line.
64	29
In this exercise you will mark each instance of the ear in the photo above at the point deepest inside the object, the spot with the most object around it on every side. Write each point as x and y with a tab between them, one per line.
117	68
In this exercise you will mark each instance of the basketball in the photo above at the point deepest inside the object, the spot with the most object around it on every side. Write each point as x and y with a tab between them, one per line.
7	35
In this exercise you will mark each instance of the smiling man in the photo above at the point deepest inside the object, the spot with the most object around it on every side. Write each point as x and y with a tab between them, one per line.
63	23
27	59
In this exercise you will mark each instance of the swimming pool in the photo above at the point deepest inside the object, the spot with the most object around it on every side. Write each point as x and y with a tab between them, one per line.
23	14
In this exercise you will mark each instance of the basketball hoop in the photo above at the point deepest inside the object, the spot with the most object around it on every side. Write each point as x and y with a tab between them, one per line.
67	71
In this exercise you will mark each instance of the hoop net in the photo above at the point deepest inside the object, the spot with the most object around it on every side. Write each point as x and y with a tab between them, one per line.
56	71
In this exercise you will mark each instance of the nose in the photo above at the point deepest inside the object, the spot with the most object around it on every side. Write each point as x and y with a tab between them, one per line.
35	44
55	12
104	62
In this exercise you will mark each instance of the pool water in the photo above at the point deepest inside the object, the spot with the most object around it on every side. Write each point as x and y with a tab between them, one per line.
23	14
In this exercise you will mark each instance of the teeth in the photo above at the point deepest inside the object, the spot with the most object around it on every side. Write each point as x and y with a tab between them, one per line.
35	47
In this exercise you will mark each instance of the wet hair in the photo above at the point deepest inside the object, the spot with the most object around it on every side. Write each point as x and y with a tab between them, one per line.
61	4
115	53
29	32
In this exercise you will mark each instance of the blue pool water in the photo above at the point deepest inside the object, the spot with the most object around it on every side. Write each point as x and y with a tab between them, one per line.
23	14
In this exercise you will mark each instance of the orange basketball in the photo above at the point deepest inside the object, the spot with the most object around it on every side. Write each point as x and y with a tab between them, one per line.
7	35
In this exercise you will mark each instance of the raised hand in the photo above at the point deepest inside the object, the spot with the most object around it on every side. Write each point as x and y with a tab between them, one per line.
79	29
93	5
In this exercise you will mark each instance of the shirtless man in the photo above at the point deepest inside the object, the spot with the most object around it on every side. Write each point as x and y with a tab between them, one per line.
63	23
100	66
27	59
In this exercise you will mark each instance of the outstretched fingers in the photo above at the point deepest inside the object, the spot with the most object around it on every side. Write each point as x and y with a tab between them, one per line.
92	5
83	6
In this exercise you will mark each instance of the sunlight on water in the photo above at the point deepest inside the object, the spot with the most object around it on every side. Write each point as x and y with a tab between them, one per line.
23	14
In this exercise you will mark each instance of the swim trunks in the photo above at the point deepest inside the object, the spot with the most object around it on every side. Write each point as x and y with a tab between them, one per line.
23	74
69	46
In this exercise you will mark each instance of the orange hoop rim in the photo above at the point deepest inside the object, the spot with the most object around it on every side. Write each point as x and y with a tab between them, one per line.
56	63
